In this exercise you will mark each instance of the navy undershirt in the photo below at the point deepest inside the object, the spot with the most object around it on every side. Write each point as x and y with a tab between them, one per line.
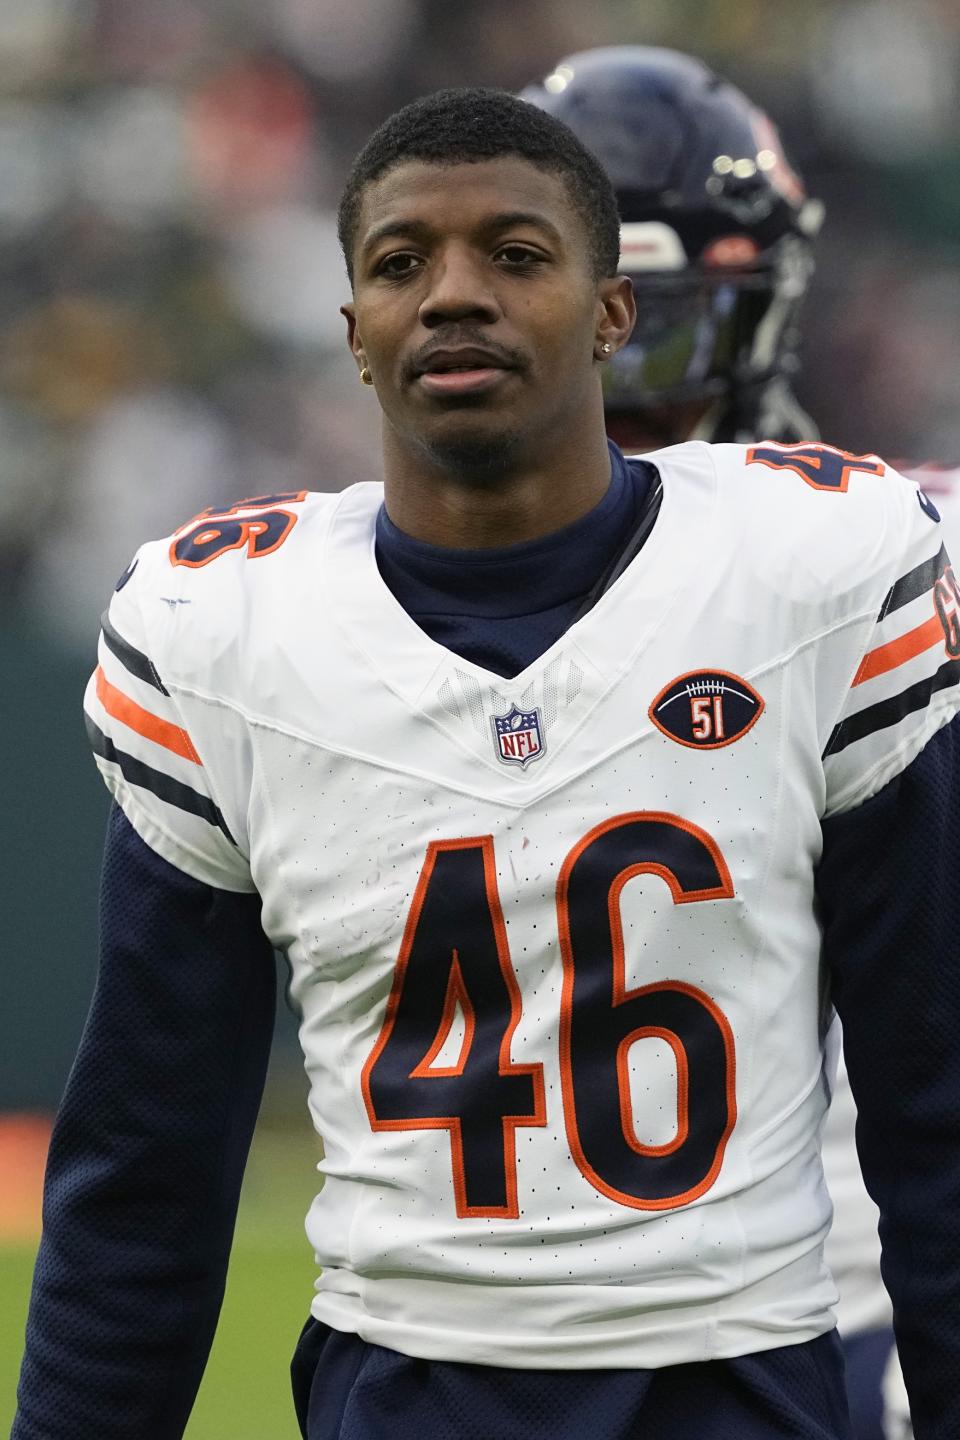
145	1164
501	609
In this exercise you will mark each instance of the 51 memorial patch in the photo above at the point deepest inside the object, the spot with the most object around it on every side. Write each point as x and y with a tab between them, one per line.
706	709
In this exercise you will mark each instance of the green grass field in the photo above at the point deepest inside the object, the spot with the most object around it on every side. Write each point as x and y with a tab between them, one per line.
245	1393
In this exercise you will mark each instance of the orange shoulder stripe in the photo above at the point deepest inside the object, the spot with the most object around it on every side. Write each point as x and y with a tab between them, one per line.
129	713
899	651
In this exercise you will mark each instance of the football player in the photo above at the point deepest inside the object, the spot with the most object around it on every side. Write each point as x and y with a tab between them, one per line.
717	235
562	780
717	238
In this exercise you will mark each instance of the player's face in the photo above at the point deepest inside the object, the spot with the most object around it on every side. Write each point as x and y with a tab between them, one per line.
476	309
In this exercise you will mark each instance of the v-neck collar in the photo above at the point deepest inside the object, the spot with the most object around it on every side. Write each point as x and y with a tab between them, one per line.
608	637
515	580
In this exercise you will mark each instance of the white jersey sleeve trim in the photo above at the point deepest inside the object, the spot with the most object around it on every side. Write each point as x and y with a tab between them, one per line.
148	759
164	843
907	683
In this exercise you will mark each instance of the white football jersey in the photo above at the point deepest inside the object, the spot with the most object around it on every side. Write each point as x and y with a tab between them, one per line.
552	938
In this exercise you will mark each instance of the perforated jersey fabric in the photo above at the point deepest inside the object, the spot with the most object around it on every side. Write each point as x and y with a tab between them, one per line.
349	1390
147	1155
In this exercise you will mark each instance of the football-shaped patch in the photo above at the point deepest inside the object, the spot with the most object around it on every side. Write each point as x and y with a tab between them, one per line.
706	709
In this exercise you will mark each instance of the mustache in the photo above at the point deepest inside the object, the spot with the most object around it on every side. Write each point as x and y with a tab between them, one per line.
450	336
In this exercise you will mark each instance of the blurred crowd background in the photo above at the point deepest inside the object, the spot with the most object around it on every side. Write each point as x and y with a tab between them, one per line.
170	335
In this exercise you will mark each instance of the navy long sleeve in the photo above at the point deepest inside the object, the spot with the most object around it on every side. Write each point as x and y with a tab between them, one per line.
890	903
147	1155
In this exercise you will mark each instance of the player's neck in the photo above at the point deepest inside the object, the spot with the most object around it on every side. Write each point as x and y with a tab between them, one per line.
442	506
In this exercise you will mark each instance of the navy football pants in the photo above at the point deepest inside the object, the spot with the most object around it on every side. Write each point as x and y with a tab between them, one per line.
346	1389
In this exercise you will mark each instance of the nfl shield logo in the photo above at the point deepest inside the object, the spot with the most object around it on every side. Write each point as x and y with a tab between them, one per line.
518	736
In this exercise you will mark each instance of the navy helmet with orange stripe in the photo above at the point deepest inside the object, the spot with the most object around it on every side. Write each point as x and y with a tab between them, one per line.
717	234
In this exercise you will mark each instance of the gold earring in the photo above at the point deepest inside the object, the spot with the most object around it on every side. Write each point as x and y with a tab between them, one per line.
365	377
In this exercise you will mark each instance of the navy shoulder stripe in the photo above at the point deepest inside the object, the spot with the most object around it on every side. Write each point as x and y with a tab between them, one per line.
130	658
916	582
174	792
892	710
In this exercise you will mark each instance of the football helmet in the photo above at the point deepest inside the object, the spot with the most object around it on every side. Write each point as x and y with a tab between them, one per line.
716	234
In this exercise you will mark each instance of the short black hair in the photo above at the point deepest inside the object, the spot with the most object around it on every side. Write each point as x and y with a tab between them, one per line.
452	127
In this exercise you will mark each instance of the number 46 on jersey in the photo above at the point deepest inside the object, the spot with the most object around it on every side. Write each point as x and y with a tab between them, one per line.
455	956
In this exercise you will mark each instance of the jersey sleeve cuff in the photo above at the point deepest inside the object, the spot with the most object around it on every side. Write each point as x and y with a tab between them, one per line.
194	863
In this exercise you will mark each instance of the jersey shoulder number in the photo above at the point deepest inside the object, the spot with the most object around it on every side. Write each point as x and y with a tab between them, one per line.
822	467
260	525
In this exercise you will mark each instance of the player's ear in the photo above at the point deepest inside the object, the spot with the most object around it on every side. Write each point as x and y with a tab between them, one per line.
616	314
355	343
353	339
